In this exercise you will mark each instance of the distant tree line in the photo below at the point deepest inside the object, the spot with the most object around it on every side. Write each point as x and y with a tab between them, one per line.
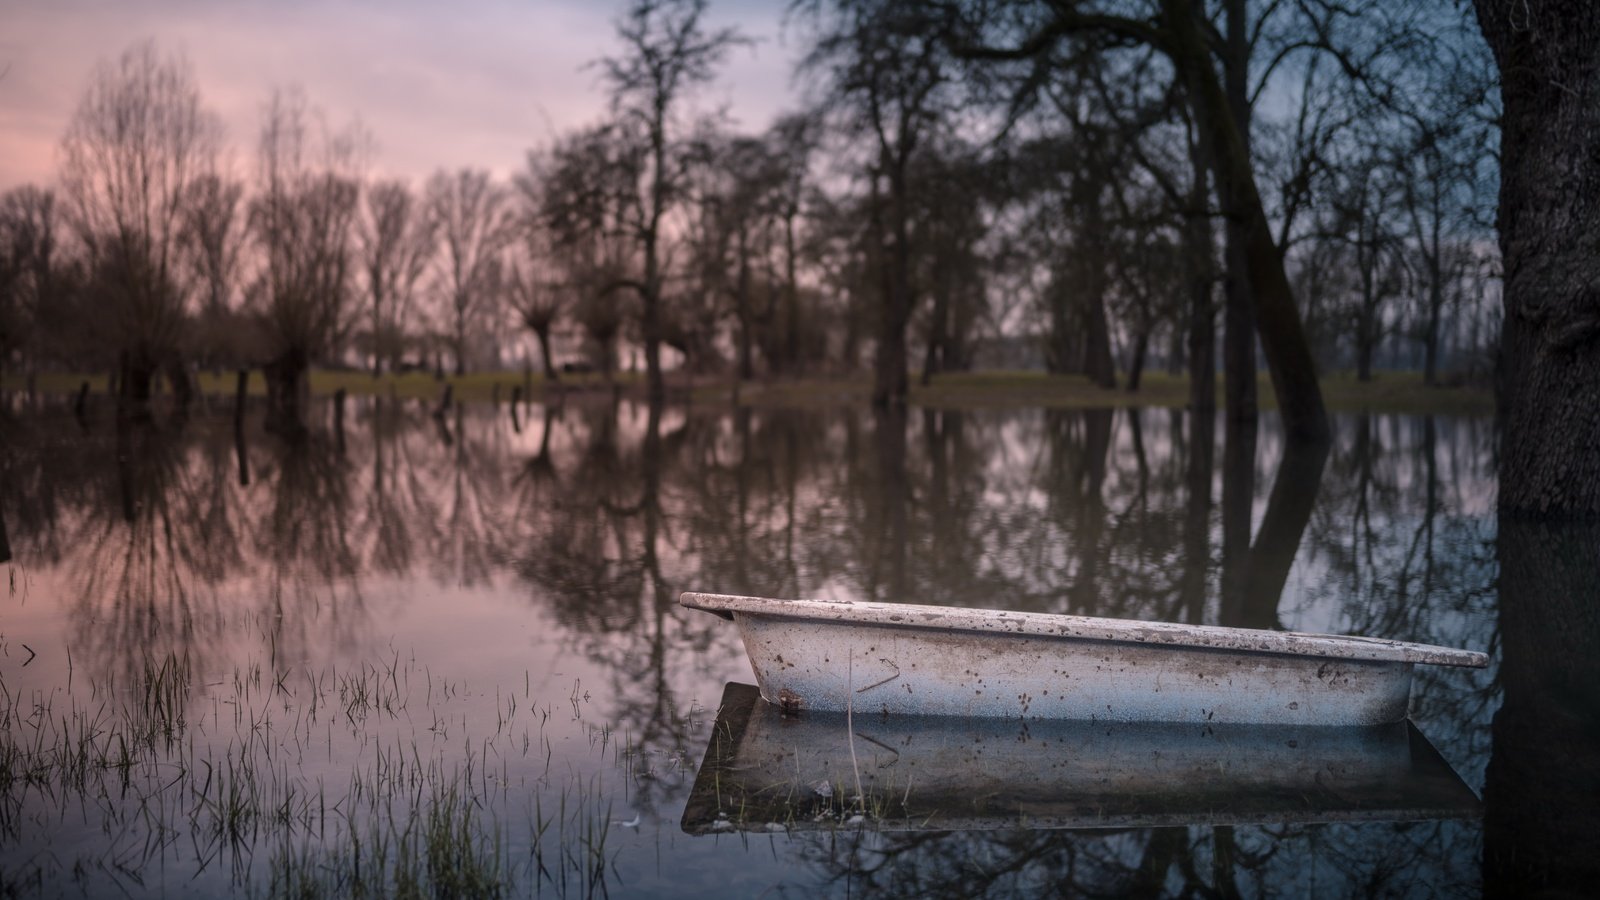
1104	184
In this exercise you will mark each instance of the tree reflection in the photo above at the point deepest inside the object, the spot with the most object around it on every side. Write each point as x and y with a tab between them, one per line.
604	510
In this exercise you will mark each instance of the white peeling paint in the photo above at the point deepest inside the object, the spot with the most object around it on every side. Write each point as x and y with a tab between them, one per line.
893	659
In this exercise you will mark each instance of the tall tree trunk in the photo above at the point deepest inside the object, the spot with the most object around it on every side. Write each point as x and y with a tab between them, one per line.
1063	351
791	299
1430	337
1239	312
182	383
1099	364
1365	340
1548	390
286	385
134	381
890	382
1200	253
1141	345
1540	818
742	308
937	333
543	334
1294	376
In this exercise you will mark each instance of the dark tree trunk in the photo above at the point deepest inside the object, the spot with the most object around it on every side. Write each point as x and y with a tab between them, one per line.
890	384
550	374
1294	376
182	384
655	382
286	385
1098	363
1063	351
135	379
1141	346
1200	253
1430	335
1176	358
747	369
1365	342
938	330
1540	819
1239	338
1548	391
791	299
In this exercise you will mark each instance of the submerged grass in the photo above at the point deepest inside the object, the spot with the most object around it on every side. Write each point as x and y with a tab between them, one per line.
309	783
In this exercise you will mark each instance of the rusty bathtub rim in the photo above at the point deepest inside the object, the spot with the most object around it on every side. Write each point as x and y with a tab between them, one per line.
1085	628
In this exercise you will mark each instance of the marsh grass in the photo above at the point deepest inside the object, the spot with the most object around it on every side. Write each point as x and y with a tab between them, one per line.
300	783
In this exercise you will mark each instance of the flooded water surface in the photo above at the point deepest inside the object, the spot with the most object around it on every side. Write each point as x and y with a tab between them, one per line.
444	656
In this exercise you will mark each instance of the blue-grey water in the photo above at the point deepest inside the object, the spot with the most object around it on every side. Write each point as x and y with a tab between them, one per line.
405	654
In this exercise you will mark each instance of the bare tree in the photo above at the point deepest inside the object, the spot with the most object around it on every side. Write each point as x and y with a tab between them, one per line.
667	54
213	238
302	218
396	244
890	78
136	143
473	217
734	186
793	139
531	278
585	192
29	226
1187	39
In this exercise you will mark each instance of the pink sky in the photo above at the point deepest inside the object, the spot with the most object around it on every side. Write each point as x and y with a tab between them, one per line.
476	84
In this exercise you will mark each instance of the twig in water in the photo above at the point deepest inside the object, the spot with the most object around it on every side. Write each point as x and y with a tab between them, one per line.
850	729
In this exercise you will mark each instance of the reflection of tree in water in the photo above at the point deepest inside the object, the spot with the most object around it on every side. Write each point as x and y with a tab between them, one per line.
166	545
1401	546
308	582
592	540
145	591
1193	861
609	510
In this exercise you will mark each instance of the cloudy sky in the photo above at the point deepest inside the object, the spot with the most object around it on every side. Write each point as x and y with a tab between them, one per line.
476	83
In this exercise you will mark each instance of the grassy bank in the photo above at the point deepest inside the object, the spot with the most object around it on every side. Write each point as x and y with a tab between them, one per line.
1401	392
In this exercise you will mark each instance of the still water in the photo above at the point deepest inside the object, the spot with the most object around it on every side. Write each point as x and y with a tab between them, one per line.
443	656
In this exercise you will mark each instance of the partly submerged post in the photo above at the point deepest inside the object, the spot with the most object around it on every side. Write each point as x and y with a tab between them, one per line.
240	449
239	393
338	417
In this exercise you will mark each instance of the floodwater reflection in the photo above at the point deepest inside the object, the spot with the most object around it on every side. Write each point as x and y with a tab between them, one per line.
508	579
819	771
